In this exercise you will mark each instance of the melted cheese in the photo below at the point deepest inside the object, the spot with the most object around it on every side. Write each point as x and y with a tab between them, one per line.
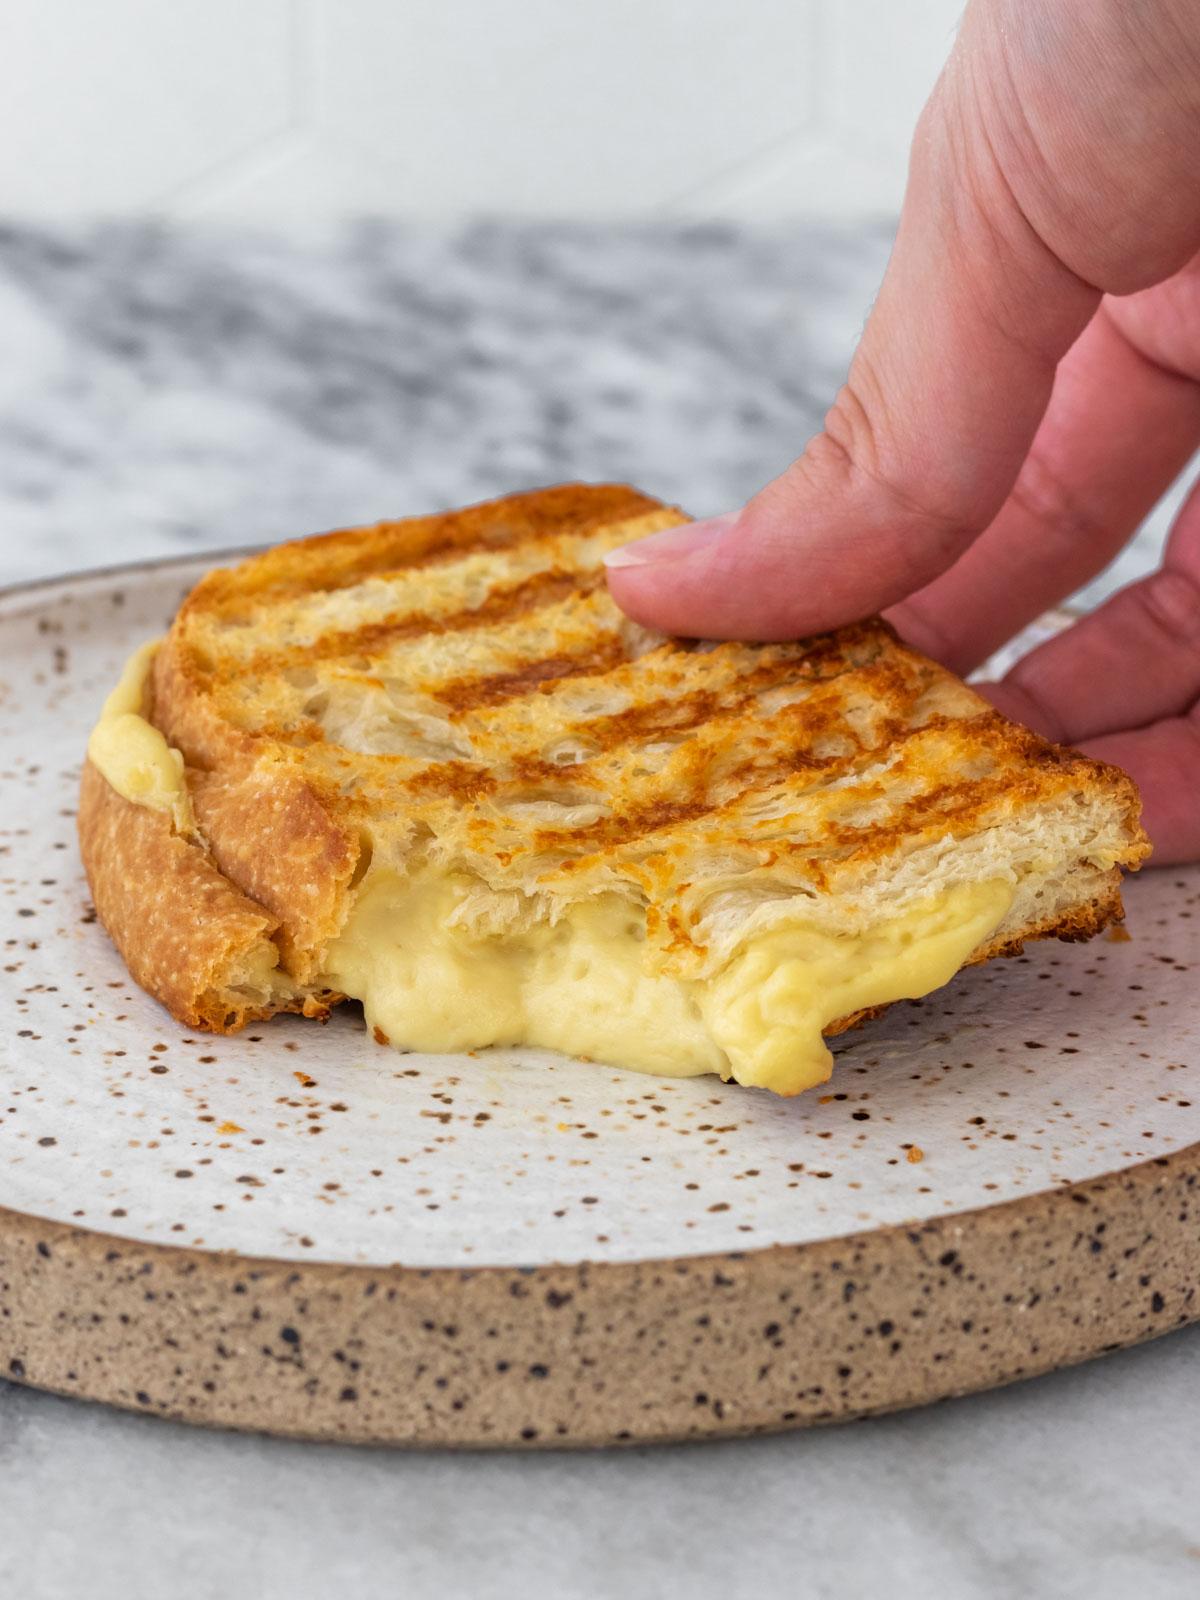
580	985
768	1006
132	755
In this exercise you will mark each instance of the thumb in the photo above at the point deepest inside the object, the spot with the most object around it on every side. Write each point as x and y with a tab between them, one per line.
956	363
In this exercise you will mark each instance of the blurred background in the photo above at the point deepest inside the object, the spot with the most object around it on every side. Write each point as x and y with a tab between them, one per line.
273	266
322	108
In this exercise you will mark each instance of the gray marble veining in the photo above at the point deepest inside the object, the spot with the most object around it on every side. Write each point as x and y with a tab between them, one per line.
1080	1486
166	390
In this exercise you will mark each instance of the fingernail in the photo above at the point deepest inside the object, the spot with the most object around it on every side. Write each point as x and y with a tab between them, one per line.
672	544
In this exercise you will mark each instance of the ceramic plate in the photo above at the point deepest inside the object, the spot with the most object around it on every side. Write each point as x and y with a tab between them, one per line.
324	1209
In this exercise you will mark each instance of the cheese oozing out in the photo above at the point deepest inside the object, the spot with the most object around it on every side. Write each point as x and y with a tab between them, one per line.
580	985
132	754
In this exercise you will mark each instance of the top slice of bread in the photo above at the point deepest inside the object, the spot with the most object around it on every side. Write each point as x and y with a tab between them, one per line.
461	690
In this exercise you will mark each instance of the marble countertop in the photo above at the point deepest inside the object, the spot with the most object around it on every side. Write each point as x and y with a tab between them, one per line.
167	391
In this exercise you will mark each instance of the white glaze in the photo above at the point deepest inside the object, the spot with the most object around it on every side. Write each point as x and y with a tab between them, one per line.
518	1155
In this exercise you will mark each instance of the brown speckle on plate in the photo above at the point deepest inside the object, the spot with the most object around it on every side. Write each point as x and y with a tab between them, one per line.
980	1122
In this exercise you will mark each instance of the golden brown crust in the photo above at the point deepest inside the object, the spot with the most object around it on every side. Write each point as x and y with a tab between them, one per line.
271	836
181	928
462	686
334	560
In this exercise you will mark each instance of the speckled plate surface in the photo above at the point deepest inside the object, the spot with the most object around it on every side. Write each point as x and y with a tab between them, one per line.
299	1230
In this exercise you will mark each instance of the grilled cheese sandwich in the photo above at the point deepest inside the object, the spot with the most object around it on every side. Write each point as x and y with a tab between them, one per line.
429	766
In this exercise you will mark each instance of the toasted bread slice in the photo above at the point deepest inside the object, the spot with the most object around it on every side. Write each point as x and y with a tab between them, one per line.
429	765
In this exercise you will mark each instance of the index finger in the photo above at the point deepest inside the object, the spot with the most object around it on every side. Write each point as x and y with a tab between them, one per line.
1031	190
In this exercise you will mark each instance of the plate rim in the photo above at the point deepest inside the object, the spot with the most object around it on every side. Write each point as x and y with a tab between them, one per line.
57	1268
77	1319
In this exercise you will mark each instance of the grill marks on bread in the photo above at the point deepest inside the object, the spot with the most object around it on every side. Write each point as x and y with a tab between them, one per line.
471	673
470	694
347	557
666	737
459	693
662	737
452	591
372	641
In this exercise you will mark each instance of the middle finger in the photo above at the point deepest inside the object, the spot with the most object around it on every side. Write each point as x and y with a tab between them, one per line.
1119	429
1132	662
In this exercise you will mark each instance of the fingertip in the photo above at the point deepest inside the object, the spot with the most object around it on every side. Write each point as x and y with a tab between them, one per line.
666	581
671	544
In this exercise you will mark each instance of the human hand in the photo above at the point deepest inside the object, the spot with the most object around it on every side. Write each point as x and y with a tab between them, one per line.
1026	388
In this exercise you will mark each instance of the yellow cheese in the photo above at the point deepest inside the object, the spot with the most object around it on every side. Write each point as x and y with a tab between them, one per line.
580	985
768	1006
134	757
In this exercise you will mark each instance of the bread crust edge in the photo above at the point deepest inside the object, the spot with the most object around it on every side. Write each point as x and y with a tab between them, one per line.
185	932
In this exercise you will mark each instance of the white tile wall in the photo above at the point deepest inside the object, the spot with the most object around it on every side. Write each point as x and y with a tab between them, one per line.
288	108
115	104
